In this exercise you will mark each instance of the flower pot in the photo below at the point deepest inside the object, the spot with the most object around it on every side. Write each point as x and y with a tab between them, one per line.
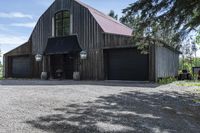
76	75
44	76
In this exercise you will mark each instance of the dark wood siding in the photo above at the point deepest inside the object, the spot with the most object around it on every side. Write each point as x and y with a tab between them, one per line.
90	35
5	62
91	38
43	28
117	41
84	26
23	50
152	57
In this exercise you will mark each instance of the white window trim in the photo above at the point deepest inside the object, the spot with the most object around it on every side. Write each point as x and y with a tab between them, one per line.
53	27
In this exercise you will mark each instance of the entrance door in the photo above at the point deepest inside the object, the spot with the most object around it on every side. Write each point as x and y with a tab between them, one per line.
68	66
63	62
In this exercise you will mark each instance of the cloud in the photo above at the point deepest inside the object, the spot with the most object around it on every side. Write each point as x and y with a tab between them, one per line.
12	39
5	48
26	25
9	42
15	15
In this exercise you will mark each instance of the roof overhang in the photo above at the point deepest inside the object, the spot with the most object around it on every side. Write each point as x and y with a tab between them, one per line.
62	45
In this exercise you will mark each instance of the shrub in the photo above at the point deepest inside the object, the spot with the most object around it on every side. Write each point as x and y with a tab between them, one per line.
195	76
166	80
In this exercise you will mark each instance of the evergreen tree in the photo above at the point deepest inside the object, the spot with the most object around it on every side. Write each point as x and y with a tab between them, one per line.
113	15
0	57
168	20
198	38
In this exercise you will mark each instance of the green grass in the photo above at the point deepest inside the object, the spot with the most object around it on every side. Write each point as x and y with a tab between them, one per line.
189	84
196	100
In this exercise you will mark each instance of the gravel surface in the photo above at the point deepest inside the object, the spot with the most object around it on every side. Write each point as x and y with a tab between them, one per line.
33	106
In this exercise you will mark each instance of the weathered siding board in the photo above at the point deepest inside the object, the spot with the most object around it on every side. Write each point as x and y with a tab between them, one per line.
84	26
24	49
5	66
166	62
88	32
152	63
43	29
117	41
37	68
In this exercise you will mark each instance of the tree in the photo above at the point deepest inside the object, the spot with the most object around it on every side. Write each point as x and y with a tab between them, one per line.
151	34
187	65
176	16
1	67
198	38
0	57
113	15
189	59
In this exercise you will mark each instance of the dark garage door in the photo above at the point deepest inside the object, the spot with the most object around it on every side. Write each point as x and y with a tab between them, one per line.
21	67
126	64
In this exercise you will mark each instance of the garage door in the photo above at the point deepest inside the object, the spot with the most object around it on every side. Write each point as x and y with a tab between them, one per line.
21	67
126	64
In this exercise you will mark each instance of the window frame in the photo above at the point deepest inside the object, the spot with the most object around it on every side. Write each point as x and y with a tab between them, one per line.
62	18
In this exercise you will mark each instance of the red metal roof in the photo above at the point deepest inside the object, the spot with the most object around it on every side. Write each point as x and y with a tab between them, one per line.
107	23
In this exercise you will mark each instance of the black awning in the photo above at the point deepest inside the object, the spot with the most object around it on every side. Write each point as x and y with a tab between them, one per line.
62	45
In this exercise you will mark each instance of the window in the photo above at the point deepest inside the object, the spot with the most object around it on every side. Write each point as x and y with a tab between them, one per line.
62	23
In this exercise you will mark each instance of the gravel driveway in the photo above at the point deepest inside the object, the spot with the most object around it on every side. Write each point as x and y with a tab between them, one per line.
96	107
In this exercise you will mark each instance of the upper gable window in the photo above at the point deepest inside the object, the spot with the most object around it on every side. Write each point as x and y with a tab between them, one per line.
62	23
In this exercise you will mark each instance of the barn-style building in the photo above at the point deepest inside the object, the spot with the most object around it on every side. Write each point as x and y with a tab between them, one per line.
69	27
